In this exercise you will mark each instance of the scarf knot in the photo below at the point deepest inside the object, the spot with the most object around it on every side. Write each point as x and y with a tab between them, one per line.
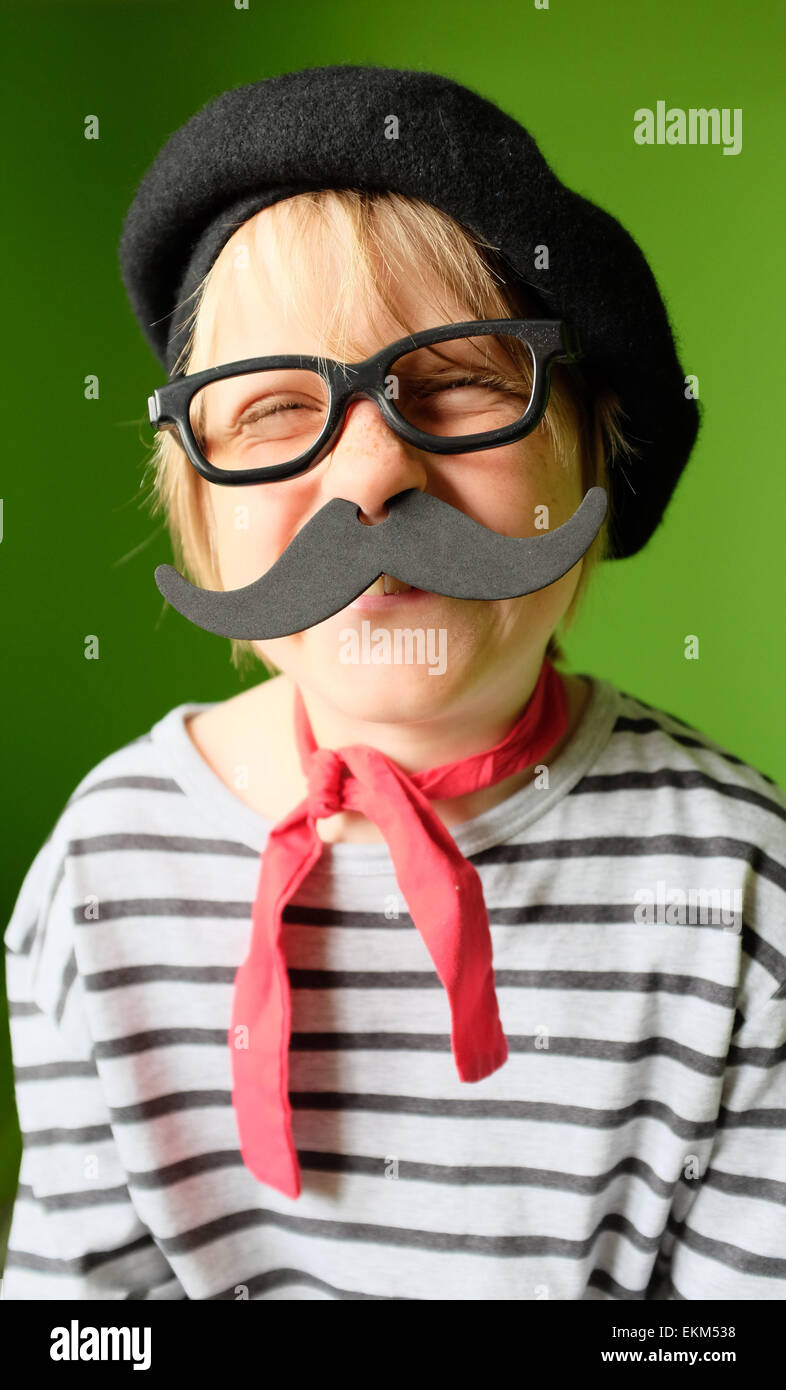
325	777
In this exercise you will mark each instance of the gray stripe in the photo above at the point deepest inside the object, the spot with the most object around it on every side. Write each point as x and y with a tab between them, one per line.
26	944
756	1056
167	1174
661	1286
86	1134
22	1008
518	914
626	982
432	1107
601	1279
58	880
153	1293
414	1239
626	846
575	914
321	1161
130	783
69	975
626	724
174	844
635	699
480	1176
608	846
53	1071
740	1185
739	1021
670	777
768	1266
719	752
768	956
629	982
327	1043
133	1043
771	1118
602	1049
174	1103
80	1264
162	907
262	1284
582	980
125	976
530	914
351	920
545	1112
76	1201
672	1287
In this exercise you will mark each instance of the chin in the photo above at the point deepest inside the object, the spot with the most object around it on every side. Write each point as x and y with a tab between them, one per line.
394	694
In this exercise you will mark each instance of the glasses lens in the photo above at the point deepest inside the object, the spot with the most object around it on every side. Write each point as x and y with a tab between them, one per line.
259	419
463	386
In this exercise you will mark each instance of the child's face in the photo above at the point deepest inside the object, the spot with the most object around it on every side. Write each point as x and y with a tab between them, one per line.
490	647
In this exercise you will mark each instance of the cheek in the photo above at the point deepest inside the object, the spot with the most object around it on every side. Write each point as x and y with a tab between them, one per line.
507	489
251	527
524	624
518	482
544	608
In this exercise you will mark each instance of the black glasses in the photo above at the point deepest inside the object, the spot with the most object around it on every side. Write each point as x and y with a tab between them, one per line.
454	389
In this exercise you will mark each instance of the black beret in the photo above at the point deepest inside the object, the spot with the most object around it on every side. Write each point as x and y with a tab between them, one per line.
326	128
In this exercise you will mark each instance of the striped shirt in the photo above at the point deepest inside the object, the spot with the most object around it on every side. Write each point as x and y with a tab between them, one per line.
633	1146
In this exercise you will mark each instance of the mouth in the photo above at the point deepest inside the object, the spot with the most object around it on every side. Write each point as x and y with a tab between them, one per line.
387	591
388	584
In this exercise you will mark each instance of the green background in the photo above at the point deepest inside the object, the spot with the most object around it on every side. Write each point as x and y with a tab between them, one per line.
79	548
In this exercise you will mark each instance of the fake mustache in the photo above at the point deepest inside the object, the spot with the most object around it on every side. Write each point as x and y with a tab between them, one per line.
422	541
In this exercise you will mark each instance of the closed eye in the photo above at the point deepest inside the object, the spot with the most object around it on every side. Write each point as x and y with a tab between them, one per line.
431	386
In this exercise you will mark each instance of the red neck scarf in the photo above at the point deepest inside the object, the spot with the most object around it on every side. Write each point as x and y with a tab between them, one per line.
441	888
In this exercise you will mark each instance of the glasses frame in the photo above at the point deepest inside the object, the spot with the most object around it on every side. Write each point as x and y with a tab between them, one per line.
549	340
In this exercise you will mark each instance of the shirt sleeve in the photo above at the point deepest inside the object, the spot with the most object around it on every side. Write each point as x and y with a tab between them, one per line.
730	1242
75	1233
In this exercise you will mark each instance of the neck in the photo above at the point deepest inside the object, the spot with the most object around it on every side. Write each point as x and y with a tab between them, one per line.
478	724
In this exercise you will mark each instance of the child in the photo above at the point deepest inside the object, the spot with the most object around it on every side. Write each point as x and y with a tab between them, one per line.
250	970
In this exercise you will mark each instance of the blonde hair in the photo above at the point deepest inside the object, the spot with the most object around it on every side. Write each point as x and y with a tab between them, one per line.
382	234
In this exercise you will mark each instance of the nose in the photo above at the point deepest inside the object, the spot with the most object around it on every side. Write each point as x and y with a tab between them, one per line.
369	463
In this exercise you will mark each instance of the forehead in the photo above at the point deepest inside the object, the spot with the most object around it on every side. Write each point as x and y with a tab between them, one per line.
277	297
